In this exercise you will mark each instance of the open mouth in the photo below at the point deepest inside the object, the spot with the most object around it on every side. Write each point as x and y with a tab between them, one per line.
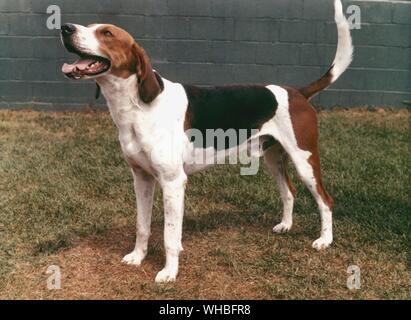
86	66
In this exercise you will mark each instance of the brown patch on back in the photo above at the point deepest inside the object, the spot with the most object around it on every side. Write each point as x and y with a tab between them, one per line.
305	125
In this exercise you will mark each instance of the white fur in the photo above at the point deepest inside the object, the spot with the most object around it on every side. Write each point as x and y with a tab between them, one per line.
345	50
144	186
85	40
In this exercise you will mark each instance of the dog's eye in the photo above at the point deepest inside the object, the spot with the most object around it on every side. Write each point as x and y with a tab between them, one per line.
107	33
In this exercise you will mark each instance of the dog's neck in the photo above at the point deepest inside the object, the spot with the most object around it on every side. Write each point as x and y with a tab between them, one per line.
121	95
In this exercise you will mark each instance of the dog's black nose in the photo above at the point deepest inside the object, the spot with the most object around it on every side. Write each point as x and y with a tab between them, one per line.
68	29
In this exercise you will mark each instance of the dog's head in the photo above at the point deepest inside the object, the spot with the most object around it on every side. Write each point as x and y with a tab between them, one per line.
105	49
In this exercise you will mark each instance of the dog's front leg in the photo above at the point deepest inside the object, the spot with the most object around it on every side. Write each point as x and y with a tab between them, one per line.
173	196
144	186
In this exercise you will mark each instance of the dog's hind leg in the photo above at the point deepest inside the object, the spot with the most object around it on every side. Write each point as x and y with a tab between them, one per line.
309	172
295	127
306	158
276	160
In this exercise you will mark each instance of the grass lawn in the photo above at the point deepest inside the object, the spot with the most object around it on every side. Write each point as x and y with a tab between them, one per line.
66	199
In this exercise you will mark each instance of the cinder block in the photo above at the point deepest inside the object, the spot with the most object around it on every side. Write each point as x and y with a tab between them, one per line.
211	28
28	69
401	13
256	30
399	58
375	79
240	52
37	70
135	25
170	28
29	25
40	6
195	73
157	50
317	55
211	52
279	9
151	7
298	31
249	73
318	10
278	54
298	76
87	19
222	8
396	99
189	8
194	51
244	9
361	98
15	90
371	56
6	69
328	99
375	12
325	33
173	71
211	74
67	91
15	6
45	48
16	47
387	35
4	24
382	57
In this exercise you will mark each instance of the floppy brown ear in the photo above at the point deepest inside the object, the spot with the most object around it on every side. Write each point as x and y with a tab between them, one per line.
148	86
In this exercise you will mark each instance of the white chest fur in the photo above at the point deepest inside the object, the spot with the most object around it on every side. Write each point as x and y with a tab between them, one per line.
151	135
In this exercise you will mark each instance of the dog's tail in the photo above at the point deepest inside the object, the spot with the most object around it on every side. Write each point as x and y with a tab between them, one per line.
343	57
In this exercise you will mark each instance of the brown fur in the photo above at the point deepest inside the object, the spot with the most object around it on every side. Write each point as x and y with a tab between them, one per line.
305	125
128	58
313	88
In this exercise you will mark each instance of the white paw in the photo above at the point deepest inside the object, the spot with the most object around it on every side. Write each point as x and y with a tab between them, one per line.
166	276
322	243
134	258
282	227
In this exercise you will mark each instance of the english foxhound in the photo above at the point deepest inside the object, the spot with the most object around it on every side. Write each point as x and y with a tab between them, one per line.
153	116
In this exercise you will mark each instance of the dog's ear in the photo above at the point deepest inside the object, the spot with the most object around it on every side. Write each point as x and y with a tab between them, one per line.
148	85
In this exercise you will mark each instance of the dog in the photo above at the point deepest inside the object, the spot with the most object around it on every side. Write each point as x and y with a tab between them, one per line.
153	116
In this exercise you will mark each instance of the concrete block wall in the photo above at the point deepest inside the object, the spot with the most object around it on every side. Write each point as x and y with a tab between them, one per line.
209	42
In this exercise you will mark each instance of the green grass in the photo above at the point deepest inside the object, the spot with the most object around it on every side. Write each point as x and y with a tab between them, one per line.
66	198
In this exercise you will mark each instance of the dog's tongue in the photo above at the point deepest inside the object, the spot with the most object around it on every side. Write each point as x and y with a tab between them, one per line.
81	64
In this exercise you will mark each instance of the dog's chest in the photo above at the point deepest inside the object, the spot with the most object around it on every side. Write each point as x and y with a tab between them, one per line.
137	140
